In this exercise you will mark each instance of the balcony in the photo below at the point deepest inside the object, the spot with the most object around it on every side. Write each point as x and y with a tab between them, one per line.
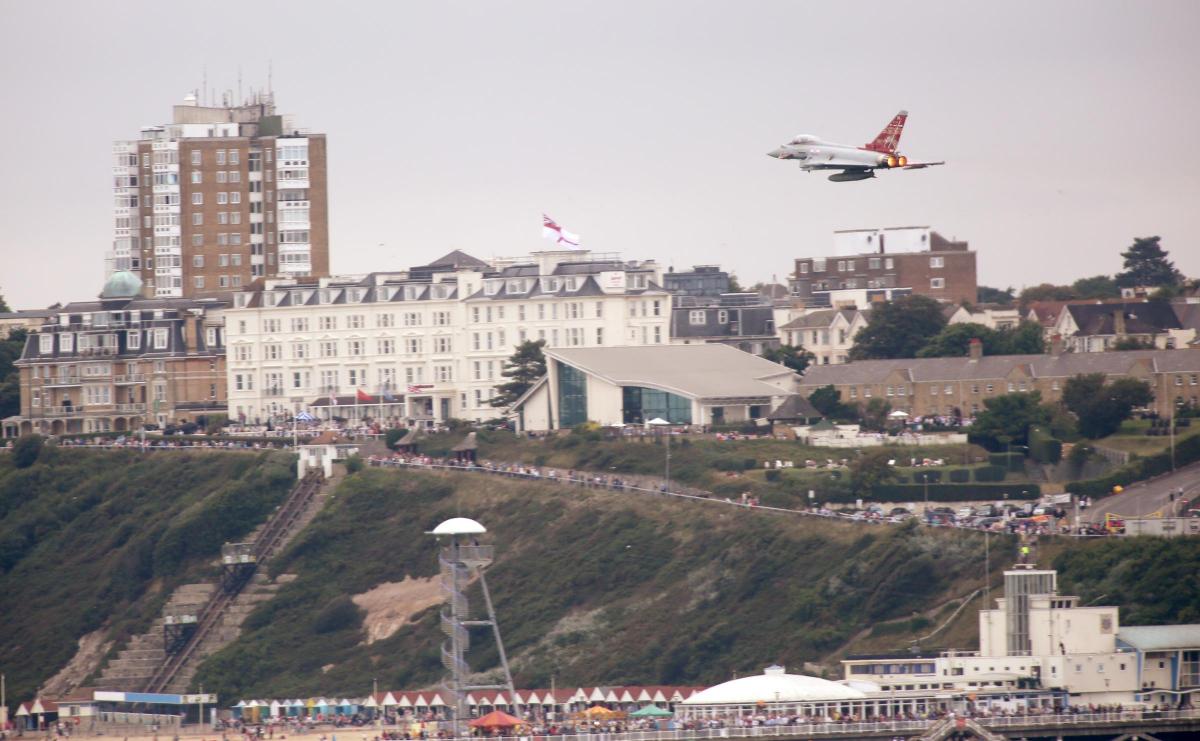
131	407
61	411
96	351
130	378
62	381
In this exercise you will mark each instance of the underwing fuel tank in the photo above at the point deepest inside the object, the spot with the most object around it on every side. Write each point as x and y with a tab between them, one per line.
848	175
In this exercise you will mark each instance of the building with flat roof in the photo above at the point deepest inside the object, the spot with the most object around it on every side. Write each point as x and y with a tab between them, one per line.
887	262
702	280
1039	646
121	362
940	386
699	384
743	320
219	197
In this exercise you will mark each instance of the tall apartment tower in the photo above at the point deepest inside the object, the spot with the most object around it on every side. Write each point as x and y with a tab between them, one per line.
219	197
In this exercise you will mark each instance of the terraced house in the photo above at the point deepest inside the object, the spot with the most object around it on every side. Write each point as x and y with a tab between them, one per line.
429	343
946	386
122	362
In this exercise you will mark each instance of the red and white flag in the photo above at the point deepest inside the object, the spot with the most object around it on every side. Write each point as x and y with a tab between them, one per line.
551	230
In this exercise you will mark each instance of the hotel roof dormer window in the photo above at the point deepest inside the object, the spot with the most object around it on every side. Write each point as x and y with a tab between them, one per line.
46	344
571	284
550	285
412	293
441	290
516	286
491	287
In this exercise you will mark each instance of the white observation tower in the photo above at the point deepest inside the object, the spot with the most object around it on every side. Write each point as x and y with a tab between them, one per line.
461	557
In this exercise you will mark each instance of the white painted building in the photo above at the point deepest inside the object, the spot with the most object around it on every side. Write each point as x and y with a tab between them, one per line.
1038	646
992	318
826	333
430	343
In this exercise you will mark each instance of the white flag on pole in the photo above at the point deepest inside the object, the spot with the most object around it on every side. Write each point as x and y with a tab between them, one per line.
551	230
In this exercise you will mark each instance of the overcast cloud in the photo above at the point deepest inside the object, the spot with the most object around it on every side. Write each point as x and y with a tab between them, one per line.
1068	127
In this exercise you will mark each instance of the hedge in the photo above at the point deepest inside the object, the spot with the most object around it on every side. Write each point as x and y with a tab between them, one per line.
940	493
960	475
1011	461
1139	469
1043	447
990	473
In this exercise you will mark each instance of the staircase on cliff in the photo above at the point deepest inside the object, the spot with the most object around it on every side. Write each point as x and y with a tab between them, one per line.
216	609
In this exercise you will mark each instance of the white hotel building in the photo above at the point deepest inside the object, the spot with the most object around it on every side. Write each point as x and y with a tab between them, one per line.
430	343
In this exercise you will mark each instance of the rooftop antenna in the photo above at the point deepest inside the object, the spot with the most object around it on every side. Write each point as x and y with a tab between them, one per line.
270	77
204	87
240	100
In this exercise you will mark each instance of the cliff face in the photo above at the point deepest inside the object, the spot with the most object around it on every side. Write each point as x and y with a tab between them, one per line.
91	543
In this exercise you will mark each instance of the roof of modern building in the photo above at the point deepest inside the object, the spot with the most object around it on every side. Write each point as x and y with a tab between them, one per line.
774	685
458	259
1161	637
705	371
1065	365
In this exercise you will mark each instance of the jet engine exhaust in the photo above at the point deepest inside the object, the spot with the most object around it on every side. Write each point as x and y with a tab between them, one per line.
849	175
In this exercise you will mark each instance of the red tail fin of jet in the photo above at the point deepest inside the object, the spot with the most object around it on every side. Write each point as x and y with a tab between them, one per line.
889	139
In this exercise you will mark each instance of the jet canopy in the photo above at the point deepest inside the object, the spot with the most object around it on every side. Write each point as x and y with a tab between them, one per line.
804	139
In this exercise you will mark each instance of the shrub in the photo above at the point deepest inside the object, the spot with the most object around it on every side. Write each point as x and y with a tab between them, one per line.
960	475
354	463
1011	461
394	435
1043	448
939	493
990	473
337	614
26	450
773	474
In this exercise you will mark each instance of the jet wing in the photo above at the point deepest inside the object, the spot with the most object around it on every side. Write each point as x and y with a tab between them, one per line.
919	165
834	166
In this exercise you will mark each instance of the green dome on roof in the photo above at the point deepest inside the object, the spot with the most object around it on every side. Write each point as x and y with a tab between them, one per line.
122	284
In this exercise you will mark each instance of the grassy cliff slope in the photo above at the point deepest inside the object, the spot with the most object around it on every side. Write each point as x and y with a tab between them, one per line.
96	540
590	586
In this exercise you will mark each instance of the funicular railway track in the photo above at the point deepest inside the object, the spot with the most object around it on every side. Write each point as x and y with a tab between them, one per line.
272	537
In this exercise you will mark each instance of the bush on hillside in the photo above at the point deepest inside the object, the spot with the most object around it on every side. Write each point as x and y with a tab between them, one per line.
395	434
339	613
26	450
990	473
960	475
1043	448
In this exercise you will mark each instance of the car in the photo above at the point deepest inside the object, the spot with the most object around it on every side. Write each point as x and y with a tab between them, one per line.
900	512
964	512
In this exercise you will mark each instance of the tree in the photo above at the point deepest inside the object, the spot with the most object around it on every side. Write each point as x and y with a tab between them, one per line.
955	341
1101	407
899	329
826	400
26	450
4	304
871	469
523	368
1098	286
1045	292
1009	417
734	286
1133	343
796	358
10	378
1146	264
875	414
989	295
1026	338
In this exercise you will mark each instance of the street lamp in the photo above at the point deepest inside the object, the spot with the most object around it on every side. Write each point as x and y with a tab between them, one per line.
659	422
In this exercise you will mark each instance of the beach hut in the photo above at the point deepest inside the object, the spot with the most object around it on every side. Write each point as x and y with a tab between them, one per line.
22	715
347	707
276	708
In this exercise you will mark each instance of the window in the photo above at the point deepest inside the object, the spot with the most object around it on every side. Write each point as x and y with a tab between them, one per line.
803	268
697	317
221	176
197	199
873	263
413	345
355	347
385	346
222	198
442	345
356	321
160	338
937	282
937	262
385	320
196	156
329	348
327	322
299	350
220	156
133	339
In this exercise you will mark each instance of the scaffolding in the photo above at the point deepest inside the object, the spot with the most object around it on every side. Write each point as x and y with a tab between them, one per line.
461	559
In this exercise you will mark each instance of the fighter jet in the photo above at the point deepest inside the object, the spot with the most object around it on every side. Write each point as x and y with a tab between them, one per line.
855	163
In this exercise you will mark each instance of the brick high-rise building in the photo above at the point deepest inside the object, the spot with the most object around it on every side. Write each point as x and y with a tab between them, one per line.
219	197
883	263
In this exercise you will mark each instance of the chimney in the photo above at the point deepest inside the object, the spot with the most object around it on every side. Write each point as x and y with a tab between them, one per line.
1056	345
975	349
1119	322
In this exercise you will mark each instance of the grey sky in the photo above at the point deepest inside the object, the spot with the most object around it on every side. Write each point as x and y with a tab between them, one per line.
1069	127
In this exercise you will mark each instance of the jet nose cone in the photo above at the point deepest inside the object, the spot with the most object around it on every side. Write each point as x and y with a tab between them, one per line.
776	153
